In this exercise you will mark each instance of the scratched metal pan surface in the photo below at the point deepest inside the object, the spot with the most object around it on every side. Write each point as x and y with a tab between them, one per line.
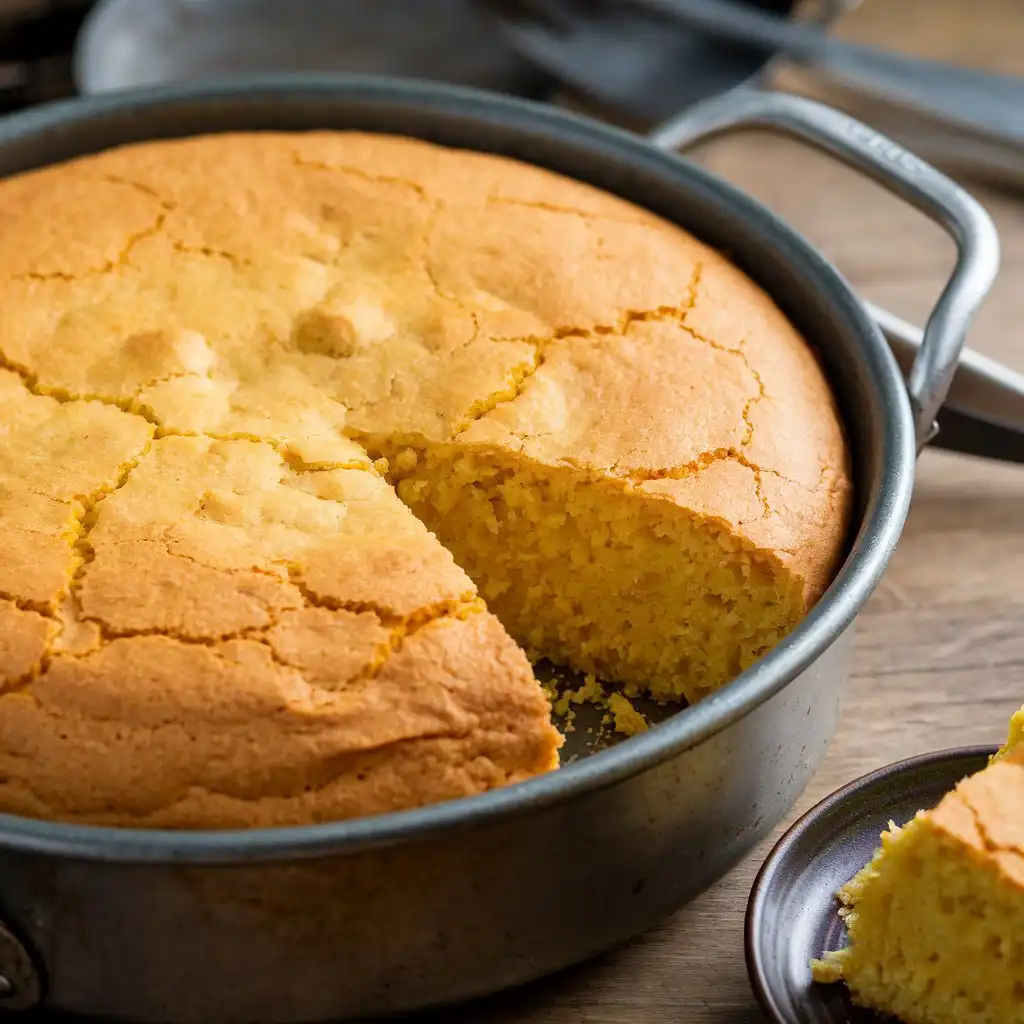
441	904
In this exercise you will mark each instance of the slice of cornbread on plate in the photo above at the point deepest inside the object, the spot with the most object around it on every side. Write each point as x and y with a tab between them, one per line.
936	919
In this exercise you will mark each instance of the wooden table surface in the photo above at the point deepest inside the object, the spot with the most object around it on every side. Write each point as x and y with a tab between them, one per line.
940	650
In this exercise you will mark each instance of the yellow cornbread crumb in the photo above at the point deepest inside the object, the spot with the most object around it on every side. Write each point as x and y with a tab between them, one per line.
226	361
591	692
1016	736
627	719
934	920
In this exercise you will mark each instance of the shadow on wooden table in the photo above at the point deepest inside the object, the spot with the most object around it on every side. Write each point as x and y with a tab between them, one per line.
632	983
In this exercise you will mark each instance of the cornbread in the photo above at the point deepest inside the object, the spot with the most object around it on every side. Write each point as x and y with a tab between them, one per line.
1016	737
934	920
257	390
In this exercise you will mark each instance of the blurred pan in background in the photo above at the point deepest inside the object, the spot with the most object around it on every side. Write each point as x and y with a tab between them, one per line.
127	43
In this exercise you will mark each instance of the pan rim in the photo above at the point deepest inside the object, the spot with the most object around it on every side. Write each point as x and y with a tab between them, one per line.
874	538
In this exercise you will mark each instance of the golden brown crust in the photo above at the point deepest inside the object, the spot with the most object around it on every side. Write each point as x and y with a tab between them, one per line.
240	623
739	456
24	640
986	813
141	587
226	735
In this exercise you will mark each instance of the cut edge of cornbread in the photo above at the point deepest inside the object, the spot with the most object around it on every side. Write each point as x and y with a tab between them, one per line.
934	918
604	574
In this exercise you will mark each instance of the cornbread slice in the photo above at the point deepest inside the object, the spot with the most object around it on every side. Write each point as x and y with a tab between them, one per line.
934	920
224	362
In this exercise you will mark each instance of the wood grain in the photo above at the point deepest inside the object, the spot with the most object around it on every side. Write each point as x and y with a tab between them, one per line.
940	653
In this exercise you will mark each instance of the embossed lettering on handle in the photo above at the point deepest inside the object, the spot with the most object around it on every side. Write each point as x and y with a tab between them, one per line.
884	147
900	172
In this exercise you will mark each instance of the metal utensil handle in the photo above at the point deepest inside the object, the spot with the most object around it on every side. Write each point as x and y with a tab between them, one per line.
888	163
975	100
982	387
21	984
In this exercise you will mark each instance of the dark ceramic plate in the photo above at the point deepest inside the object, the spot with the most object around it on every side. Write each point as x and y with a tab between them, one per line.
793	915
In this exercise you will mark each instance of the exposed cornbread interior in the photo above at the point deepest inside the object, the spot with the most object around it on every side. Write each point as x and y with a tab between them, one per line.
934	920
1016	736
215	609
588	572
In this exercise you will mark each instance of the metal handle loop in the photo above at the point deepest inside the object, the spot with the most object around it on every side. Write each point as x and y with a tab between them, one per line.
902	173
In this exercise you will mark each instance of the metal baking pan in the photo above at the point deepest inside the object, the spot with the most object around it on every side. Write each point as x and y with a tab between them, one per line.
447	902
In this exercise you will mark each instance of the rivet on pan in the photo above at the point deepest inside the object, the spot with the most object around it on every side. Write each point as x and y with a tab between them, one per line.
21	987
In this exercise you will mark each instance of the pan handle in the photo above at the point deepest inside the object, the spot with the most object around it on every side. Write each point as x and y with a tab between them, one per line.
963	218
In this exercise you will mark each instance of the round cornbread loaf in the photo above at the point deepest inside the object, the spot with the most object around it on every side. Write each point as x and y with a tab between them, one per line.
257	391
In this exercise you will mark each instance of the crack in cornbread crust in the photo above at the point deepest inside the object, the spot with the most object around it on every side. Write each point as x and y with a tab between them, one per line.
323	752
315	296
25	639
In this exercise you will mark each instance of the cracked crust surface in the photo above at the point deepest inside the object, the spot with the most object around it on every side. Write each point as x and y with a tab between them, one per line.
202	339
986	814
